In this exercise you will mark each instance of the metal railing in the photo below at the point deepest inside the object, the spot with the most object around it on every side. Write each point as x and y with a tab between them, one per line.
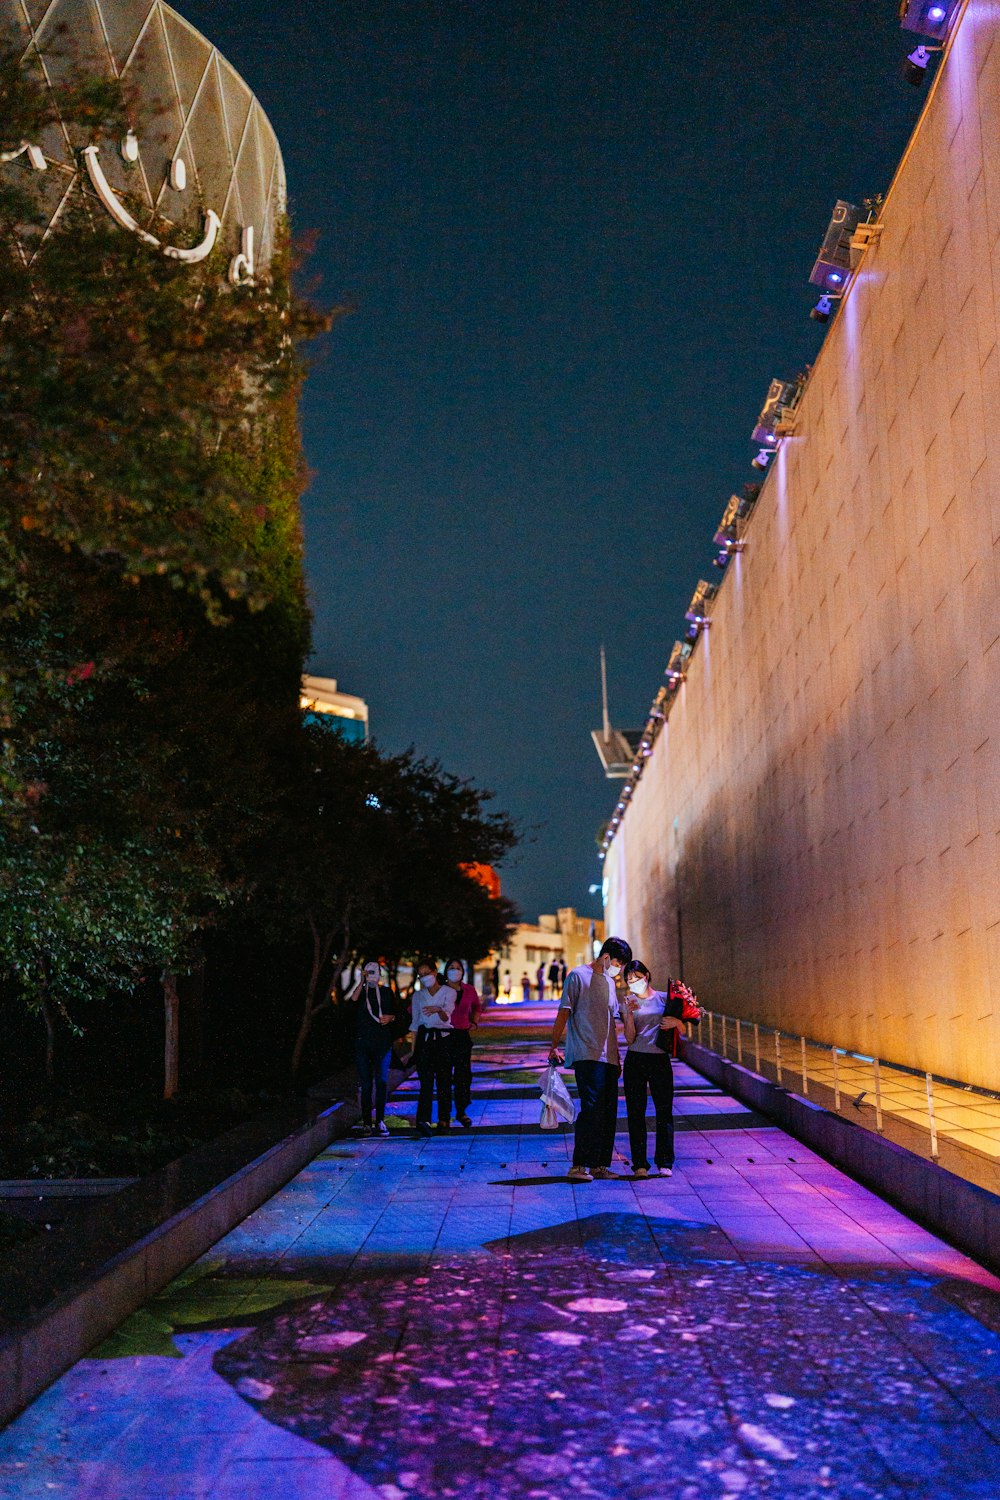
866	1089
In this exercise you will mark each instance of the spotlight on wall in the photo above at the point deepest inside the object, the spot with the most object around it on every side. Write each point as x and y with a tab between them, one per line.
825	308
916	64
777	418
697	614
833	263
676	672
928	17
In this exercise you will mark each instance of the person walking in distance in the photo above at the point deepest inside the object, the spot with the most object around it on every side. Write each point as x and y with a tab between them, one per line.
650	1017
586	1016
540	980
374	1018
555	978
433	1004
525	988
464	1018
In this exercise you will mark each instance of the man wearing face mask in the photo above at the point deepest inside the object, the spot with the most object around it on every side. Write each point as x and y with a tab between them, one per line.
373	1044
463	1018
587	1015
433	1004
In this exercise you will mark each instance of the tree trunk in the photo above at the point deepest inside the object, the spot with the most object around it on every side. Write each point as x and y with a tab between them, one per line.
171	1033
321	952
49	1017
191	989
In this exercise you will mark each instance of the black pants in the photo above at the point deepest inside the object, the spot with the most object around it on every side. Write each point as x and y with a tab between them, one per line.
653	1071
461	1051
435	1068
594	1139
372	1060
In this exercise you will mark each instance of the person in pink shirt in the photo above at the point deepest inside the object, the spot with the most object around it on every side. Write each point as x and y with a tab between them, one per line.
464	1018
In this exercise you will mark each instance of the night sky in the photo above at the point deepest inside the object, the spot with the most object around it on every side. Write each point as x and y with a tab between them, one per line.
578	238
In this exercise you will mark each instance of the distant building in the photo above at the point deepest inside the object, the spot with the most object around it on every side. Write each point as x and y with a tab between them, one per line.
321	703
565	936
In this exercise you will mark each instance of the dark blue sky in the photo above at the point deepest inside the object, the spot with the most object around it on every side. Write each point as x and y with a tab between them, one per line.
578	236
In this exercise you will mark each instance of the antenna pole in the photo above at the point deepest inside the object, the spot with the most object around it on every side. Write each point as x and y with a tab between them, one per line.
604	695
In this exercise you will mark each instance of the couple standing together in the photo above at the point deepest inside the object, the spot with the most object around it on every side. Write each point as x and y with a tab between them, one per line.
587	1018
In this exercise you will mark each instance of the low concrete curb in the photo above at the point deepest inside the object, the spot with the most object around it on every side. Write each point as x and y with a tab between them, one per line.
92	1273
961	1212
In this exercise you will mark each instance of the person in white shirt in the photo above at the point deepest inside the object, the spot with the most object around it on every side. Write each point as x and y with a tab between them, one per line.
650	1017
433	1004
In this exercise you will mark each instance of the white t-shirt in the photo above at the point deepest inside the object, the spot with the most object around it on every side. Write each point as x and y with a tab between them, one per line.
443	998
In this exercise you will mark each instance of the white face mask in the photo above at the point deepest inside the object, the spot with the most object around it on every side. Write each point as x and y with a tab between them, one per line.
614	970
637	986
455	975
428	981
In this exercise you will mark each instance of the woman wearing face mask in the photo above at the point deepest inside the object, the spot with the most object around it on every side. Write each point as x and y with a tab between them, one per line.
587	1014
373	1044
646	1015
464	1017
433	1004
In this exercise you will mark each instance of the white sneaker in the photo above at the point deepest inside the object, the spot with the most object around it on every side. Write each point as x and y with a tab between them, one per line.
603	1172
381	1128
664	1171
579	1174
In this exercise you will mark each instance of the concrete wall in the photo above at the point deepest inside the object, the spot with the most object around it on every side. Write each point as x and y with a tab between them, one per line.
823	806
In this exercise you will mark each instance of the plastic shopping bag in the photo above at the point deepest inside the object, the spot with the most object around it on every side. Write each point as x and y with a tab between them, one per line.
557	1106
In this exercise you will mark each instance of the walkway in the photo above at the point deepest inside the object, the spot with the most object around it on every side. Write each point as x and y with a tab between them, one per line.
450	1317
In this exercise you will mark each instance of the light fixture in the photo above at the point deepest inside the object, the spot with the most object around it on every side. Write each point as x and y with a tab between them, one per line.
916	64
825	308
928	17
777	417
833	262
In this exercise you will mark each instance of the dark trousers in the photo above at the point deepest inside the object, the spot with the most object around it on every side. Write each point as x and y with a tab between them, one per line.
653	1071
372	1059
435	1068
594	1139
461	1051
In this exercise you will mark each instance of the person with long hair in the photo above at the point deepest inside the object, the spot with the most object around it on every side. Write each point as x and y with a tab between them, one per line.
464	1019
651	1018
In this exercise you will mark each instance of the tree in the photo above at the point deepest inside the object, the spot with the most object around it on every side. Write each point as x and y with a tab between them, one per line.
151	593
365	859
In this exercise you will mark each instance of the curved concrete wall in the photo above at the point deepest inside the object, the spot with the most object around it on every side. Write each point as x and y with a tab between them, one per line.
186	102
821	813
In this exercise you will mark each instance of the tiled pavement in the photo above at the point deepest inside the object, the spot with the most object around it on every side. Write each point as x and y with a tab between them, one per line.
452	1318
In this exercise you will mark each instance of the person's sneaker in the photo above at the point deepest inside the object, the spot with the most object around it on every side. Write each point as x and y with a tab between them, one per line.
464	1121
665	1171
423	1128
361	1128
580	1174
640	1171
444	1125
603	1172
381	1128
